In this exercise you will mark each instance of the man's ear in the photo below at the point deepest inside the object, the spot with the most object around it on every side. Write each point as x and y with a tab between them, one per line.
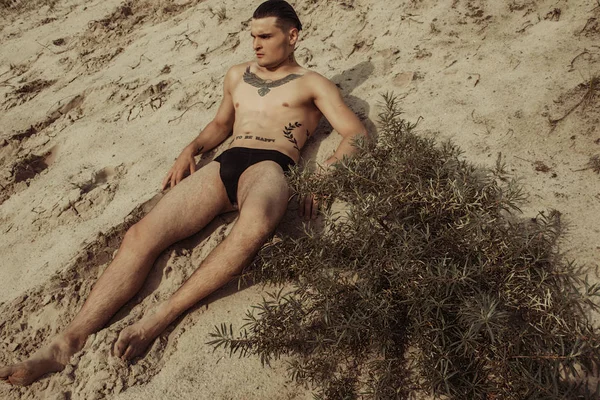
293	35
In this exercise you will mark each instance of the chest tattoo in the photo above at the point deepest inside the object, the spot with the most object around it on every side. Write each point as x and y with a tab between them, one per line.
287	132
265	86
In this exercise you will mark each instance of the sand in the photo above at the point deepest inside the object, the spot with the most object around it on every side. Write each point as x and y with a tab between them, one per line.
97	98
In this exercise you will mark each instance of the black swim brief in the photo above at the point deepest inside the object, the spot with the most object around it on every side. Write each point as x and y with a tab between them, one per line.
236	160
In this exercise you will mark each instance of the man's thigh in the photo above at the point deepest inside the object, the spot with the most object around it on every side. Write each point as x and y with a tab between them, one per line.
187	207
263	193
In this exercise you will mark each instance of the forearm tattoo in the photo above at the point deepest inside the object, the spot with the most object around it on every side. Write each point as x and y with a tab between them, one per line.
287	132
265	86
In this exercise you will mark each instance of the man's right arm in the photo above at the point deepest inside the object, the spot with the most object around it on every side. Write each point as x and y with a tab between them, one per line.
210	137
220	127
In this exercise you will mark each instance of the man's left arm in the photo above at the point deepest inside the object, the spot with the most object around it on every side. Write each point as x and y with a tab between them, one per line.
328	100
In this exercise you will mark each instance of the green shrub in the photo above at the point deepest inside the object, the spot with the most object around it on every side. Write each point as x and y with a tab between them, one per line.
428	282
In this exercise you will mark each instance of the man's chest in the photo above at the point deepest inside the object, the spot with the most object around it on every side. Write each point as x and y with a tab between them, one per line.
266	96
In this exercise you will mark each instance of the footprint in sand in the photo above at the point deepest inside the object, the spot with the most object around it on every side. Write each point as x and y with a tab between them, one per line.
72	109
20	166
91	194
26	92
21	173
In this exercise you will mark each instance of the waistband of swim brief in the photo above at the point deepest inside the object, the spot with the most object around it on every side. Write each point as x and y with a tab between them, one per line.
250	150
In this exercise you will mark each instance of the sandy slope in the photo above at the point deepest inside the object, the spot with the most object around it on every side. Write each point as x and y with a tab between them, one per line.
98	97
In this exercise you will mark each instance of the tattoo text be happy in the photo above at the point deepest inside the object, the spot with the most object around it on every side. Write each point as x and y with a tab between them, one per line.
262	139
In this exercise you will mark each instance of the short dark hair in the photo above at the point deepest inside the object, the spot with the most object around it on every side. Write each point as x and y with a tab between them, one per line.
282	10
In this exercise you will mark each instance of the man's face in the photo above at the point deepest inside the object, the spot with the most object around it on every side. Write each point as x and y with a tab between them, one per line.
271	45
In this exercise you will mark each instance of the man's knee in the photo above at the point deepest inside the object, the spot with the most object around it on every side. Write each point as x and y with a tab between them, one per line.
258	224
135	235
139	240
132	235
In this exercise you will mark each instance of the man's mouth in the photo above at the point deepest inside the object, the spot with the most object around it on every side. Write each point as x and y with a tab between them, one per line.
259	55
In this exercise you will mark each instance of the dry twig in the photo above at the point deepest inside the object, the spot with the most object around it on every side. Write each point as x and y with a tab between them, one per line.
181	42
572	67
593	164
592	86
591	19
48	48
528	24
451	64
554	15
186	110
139	62
478	77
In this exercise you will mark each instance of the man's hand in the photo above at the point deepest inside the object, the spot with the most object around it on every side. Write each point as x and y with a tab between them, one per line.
185	164
308	207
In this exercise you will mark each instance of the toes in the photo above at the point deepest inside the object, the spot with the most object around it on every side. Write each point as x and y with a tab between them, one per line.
13	380
20	377
120	345
129	353
5	373
27	372
131	342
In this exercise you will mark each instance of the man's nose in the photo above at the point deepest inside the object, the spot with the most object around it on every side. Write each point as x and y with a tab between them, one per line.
256	44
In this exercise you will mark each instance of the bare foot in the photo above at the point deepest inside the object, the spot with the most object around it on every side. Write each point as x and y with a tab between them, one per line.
51	358
134	339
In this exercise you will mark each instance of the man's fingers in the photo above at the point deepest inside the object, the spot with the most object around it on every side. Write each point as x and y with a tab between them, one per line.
308	207
165	181
192	167
300	206
315	207
308	202
179	176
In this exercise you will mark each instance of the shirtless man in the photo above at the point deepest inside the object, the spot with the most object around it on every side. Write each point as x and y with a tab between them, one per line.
272	105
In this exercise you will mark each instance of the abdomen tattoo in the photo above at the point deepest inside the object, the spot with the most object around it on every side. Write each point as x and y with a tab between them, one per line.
288	133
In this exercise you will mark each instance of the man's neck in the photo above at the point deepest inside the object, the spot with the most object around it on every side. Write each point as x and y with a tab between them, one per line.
288	62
